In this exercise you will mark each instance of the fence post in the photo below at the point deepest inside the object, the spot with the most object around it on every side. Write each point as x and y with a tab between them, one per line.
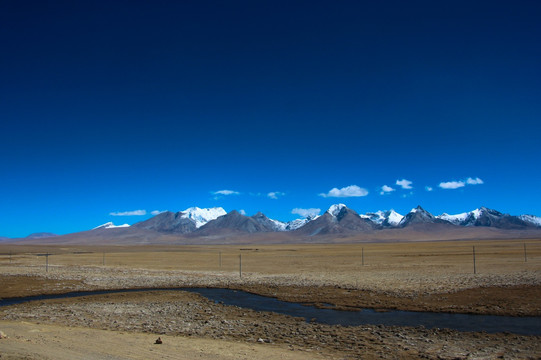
103	259
362	256
47	262
525	257
220	259
240	266
474	268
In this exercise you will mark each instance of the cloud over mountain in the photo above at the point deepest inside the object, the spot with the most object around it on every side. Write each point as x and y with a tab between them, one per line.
129	213
475	181
225	192
452	184
405	184
348	191
306	212
275	194
460	184
386	190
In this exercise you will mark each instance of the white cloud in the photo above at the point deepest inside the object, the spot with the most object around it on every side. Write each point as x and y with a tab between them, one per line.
405	184
475	181
348	191
306	212
461	183
242	212
225	192
275	194
129	213
386	190
452	184
220	193
157	212
428	188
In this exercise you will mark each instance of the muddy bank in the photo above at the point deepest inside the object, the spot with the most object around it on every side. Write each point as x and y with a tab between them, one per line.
517	300
521	300
178	313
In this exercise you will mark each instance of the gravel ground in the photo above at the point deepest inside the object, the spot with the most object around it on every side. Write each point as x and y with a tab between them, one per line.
182	314
501	294
393	283
188	314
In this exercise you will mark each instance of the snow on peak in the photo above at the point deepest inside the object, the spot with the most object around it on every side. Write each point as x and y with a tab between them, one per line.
532	219
278	225
476	213
335	209
455	219
110	225
379	217
295	224
394	218
202	216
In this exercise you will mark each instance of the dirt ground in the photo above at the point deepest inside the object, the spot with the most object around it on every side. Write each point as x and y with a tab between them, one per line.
437	276
183	315
31	341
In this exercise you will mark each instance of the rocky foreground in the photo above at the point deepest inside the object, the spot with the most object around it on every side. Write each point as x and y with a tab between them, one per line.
183	314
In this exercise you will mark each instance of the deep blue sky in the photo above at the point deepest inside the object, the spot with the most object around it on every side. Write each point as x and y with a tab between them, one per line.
114	106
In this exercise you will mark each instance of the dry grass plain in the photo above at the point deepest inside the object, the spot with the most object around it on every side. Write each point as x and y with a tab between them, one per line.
437	276
403	268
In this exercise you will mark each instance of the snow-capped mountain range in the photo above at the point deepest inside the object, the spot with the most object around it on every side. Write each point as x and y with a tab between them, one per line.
337	219
536	220
110	225
202	216
384	218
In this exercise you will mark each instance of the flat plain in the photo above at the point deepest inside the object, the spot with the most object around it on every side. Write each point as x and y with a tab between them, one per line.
499	277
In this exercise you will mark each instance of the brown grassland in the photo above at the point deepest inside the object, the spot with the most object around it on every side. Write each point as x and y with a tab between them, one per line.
420	276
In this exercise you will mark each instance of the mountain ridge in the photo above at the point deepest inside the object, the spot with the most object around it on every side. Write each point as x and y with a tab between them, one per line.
338	221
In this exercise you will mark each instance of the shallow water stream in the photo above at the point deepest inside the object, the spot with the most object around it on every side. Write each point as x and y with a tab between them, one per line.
463	322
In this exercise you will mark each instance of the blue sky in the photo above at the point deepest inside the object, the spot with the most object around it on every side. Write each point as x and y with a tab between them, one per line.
116	106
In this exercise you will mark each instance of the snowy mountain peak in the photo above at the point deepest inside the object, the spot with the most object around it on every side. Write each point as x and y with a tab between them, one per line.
532	219
295	224
335	209
455	219
418	215
110	225
385	218
278	225
268	222
417	209
393	218
202	216
378	217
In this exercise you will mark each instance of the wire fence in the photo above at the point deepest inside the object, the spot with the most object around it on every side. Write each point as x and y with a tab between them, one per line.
437	257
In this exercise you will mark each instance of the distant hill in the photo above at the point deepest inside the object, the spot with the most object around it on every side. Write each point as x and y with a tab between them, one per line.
40	235
420	216
236	222
338	219
182	222
338	224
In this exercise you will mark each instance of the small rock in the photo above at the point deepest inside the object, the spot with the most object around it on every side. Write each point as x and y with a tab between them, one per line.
3	335
260	340
158	341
